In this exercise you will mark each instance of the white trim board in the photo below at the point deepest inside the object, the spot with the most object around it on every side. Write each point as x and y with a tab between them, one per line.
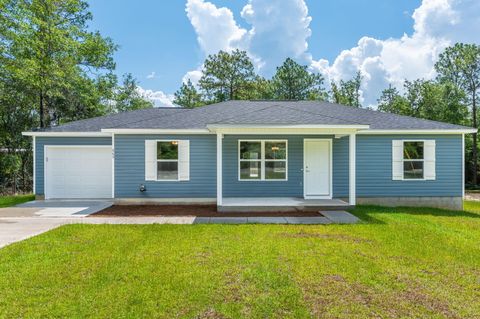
67	134
439	132
157	131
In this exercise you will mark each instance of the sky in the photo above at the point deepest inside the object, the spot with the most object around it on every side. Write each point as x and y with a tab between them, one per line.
163	43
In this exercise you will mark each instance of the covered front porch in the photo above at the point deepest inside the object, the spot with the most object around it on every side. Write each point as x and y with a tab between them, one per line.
316	168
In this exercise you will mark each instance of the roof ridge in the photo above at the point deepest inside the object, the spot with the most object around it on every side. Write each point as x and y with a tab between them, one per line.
256	110
322	114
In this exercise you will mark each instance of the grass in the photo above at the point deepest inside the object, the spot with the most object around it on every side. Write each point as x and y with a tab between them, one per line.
400	262
6	201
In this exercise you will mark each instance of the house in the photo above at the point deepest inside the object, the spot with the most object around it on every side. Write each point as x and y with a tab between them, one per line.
254	154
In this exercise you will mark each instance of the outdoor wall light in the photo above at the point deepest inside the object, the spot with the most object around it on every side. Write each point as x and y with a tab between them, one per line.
143	188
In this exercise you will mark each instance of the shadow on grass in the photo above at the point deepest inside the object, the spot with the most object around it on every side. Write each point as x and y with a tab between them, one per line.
367	213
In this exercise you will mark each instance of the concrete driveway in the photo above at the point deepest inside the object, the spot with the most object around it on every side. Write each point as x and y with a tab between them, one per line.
33	218
55	208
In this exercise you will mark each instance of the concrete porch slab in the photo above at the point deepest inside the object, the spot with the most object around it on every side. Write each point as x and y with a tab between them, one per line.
279	204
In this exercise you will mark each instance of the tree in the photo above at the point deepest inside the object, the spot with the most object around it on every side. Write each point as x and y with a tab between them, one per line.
128	98
348	92
226	75
292	81
48	47
460	65
426	99
391	101
188	96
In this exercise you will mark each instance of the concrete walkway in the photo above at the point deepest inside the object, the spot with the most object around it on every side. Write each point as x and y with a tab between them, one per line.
33	218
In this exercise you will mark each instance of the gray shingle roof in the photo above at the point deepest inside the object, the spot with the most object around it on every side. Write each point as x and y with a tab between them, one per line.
255	113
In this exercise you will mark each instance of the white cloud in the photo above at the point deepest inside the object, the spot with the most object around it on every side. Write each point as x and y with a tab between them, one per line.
159	98
151	75
194	76
272	37
215	27
280	29
437	24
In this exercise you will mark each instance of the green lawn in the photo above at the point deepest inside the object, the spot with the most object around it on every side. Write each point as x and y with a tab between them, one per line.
398	263
6	201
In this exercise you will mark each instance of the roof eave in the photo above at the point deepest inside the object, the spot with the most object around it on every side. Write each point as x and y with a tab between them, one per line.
418	131
66	134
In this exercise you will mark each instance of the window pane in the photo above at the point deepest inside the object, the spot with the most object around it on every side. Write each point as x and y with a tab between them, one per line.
167	150
275	150
413	150
275	170
250	170
413	170
250	150
167	170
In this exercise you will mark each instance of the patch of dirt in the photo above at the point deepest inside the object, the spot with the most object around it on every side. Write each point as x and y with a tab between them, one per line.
325	236
353	298
472	196
210	314
189	210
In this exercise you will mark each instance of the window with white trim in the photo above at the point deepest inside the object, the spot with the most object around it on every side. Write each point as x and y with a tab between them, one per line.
262	160
167	160
413	160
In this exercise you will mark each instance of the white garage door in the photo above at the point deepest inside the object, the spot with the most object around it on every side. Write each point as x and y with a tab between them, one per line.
78	172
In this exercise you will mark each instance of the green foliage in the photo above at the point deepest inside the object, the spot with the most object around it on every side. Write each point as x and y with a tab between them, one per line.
48	48
128	97
292	81
225	76
7	201
188	96
392	101
460	66
348	92
426	99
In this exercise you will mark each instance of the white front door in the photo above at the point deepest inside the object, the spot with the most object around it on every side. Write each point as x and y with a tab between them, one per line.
317	170
78	172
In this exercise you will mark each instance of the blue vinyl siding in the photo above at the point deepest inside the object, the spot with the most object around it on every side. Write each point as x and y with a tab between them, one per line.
130	168
293	187
374	167
39	153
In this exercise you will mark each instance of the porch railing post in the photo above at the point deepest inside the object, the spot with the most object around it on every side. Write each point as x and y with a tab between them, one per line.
352	171
219	169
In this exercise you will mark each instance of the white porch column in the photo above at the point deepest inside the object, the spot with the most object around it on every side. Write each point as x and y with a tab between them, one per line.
219	169
352	171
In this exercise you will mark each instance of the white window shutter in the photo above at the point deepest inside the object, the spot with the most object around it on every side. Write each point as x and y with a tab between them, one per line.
150	160
429	156
184	160
397	160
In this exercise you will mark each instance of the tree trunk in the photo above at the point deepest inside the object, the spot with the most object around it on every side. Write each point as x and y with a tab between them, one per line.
42	111
474	146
